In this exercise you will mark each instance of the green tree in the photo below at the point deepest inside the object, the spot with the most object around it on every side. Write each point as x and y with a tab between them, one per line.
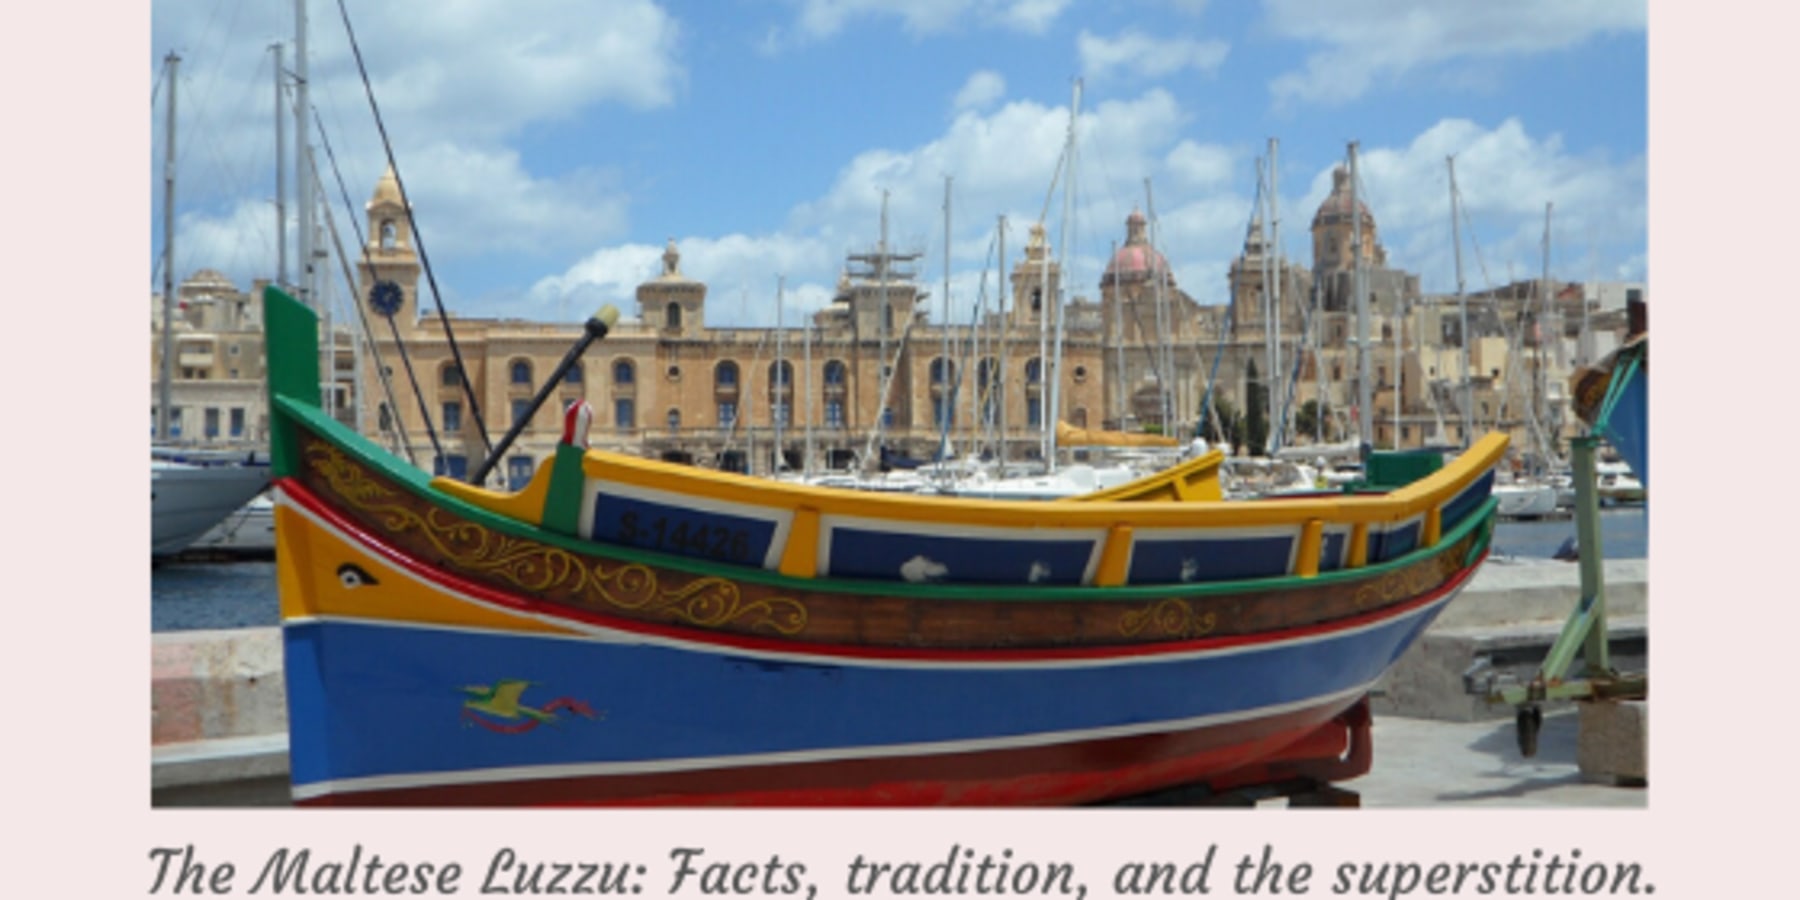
1307	420
1256	415
1225	415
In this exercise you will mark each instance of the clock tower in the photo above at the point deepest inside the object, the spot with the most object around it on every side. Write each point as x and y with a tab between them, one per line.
389	267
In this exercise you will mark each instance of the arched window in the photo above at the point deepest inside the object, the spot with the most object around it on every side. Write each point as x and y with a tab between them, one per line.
388	234
573	375
673	315
834	373
450	376
623	373
1034	370
521	371
725	374
942	370
781	375
674	418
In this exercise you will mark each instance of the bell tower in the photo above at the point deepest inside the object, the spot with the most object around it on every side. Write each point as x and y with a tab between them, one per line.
1036	281
388	271
673	304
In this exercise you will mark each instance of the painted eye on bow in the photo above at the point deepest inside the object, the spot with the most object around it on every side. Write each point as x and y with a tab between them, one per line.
351	575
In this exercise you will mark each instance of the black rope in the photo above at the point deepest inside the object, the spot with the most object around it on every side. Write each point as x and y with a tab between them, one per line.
405	359
418	238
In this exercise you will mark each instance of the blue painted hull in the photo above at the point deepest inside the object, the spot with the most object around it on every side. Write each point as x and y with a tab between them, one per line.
387	706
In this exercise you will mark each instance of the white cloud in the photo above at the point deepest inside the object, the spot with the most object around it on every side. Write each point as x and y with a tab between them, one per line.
1196	165
740	272
1368	41
1504	177
821	19
980	91
1147	56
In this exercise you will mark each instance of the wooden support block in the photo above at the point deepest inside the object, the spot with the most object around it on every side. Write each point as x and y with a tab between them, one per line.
1326	796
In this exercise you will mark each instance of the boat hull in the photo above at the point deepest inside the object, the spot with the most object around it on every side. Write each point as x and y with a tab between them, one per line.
705	697
1526	501
188	501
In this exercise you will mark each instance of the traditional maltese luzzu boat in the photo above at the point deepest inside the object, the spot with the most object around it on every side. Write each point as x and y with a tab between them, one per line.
623	631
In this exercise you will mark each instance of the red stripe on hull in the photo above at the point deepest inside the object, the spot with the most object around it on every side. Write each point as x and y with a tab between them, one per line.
1322	743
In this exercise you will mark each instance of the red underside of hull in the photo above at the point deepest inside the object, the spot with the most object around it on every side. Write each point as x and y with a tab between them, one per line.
1320	744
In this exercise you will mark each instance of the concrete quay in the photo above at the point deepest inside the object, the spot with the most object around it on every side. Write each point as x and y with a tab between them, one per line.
219	729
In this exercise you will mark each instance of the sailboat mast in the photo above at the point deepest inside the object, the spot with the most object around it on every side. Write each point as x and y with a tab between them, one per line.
1549	334
881	372
1364	408
806	461
778	407
303	195
1268	309
166	380
1005	330
1118	341
946	401
1165	359
1054	413
281	260
1462	311
1272	252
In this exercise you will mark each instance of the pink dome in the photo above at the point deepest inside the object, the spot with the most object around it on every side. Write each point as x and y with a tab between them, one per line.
1136	259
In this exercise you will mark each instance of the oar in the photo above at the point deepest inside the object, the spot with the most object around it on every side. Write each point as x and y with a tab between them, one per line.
595	329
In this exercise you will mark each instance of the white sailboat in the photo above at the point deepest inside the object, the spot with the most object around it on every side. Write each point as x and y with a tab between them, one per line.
189	493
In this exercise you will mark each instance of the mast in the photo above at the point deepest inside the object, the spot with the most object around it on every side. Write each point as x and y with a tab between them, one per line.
806	460
1268	309
778	407
1118	344
999	377
1165	358
1549	335
1364	408
1272	252
280	176
946	401
1062	255
1462	311
881	327
165	388
1399	318
303	195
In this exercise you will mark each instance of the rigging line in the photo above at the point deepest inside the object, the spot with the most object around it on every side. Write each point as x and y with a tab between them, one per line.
418	238
362	313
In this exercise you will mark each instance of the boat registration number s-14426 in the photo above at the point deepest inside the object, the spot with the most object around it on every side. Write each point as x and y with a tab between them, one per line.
685	537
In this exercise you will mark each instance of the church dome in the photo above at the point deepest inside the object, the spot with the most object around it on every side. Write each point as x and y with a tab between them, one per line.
1136	260
1336	208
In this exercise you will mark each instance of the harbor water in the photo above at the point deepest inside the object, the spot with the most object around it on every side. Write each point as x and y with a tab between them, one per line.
188	596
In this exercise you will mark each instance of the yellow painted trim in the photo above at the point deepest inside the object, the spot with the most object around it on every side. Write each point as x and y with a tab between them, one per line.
524	505
1434	527
1115	557
1312	546
727	487
800	558
309	560
1358	555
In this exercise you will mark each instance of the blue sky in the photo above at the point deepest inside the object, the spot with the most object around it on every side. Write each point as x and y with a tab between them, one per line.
550	149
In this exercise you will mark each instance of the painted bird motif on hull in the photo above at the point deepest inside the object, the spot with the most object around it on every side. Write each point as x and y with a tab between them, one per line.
500	701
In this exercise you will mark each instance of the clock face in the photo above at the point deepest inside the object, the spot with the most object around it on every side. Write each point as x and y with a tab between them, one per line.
385	298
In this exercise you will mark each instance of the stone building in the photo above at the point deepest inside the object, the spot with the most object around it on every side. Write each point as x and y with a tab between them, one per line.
869	378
